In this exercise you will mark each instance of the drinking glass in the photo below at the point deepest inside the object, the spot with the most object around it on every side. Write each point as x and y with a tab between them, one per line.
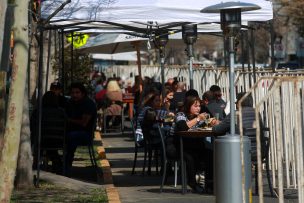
207	118
217	116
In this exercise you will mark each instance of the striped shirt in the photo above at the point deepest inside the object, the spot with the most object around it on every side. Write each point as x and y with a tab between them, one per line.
181	116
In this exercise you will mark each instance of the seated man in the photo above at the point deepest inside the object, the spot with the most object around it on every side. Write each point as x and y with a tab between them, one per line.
81	112
206	98
217	105
248	116
223	127
57	89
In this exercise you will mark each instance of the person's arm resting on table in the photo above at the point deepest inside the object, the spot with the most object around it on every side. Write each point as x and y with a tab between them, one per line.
183	125
222	127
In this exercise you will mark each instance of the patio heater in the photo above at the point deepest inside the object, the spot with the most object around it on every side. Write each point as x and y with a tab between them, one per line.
189	33
161	40
230	187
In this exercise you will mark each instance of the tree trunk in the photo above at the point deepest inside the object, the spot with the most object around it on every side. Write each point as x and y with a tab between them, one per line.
3	6
2	107
8	159
34	50
24	172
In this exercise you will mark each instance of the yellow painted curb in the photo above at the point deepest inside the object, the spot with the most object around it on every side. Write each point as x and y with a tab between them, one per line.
112	193
97	136
104	163
113	196
106	170
101	153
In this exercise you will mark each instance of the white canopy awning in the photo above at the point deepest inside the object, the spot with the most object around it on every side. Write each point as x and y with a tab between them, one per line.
135	13
127	56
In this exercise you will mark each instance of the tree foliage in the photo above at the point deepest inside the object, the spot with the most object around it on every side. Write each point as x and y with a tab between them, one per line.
294	12
80	72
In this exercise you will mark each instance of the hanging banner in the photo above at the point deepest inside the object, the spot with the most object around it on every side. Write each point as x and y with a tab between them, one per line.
79	39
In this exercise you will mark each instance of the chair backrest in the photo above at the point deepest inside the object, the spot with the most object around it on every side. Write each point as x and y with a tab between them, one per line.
133	125
147	124
53	128
251	134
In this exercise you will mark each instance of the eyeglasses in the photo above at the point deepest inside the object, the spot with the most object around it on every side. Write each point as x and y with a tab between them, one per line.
217	95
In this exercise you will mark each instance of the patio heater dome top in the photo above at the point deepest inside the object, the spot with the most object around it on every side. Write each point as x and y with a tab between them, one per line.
230	5
230	15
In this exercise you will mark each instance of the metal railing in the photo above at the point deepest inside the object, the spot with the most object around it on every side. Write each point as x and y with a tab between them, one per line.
278	98
280	101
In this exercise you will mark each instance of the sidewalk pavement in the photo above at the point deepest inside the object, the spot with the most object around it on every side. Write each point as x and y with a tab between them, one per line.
138	188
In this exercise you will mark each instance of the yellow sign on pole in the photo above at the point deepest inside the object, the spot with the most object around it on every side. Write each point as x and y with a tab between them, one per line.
79	39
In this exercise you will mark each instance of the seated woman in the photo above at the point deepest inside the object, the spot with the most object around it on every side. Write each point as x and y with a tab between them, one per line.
190	118
151	103
146	120
168	98
113	97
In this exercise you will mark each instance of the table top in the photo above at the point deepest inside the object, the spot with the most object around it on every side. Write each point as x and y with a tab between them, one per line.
197	133
128	99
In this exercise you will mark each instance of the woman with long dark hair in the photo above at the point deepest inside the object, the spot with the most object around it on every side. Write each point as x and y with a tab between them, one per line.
190	118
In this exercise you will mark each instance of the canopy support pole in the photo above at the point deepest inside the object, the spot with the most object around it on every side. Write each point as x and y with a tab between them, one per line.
253	54
137	47
243	59
162	64
40	81
48	61
272	46
72	57
62	62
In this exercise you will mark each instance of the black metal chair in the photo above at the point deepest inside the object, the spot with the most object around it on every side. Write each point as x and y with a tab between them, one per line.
107	118
90	146
151	143
53	133
166	162
137	146
147	146
265	143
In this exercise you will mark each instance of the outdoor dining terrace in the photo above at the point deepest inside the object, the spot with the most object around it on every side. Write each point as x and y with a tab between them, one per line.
278	98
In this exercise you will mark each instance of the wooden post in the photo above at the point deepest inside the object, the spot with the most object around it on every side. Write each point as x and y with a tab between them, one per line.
136	44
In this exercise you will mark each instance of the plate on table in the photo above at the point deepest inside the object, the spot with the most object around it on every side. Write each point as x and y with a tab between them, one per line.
201	129
208	128
169	120
196	129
